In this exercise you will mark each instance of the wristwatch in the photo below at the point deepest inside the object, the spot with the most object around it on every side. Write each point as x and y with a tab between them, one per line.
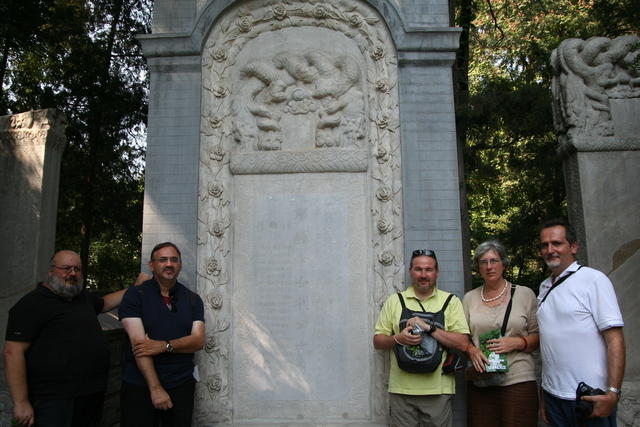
432	328
169	347
615	390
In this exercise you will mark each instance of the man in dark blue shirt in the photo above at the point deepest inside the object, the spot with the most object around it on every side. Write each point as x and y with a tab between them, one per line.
165	324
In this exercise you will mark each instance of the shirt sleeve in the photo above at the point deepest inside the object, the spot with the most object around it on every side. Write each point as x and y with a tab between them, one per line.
25	321
455	320
603	303
97	302
197	308
466	301
384	324
131	304
532	310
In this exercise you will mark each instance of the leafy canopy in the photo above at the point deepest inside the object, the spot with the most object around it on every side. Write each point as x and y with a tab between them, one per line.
82	58
513	176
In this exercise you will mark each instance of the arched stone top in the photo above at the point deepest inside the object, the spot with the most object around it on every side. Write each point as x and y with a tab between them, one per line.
417	42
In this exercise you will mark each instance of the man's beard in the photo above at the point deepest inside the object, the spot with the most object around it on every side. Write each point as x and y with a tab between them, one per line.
65	290
552	263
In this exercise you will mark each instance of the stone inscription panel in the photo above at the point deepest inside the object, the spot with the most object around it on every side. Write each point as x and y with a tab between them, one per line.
301	342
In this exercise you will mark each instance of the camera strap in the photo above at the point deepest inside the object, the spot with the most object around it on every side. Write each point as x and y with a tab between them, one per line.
558	283
503	331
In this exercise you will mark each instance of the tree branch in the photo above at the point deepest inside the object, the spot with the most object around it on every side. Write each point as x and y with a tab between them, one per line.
495	19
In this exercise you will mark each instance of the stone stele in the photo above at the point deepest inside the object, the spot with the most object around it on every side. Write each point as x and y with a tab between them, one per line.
31	146
297	151
596	100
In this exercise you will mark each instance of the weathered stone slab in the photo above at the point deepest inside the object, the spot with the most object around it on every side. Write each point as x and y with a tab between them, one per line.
301	92
596	108
31	146
301	312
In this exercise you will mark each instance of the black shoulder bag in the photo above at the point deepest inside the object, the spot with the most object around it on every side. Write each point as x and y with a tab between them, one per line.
425	357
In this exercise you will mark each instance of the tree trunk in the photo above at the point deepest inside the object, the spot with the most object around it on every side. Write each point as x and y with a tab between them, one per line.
96	144
461	95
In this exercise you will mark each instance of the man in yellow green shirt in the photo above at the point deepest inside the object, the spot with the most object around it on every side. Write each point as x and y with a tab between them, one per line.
421	399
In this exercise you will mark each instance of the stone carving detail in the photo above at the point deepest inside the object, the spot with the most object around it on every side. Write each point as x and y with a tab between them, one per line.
350	103
323	89
33	127
327	160
588	75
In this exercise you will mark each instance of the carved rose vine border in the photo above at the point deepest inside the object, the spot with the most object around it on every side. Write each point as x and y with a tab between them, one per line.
232	32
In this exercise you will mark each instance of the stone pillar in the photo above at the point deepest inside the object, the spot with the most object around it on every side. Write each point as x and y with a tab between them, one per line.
31	146
297	152
596	93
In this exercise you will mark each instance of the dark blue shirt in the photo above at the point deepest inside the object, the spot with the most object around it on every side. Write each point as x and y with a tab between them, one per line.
161	323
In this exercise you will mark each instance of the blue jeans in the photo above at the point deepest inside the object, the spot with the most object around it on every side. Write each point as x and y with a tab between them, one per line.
83	411
562	413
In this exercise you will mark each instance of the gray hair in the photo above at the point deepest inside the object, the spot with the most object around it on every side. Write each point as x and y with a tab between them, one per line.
490	245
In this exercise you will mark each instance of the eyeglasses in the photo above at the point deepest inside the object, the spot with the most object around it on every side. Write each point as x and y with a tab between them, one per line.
491	261
165	259
423	252
69	268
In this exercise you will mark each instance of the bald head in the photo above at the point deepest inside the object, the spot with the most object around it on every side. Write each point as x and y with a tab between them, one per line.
65	256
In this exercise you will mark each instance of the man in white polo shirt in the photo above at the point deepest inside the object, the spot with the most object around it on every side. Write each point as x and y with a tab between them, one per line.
581	338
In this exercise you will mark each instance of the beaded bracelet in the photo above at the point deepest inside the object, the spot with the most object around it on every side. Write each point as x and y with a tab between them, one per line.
526	344
396	340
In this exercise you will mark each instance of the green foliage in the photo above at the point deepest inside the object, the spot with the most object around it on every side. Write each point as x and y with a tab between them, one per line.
512	173
82	57
114	257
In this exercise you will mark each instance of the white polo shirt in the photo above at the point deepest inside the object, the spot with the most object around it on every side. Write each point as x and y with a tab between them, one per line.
571	320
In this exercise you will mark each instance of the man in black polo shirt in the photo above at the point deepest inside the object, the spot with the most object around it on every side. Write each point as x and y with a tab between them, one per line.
56	356
165	324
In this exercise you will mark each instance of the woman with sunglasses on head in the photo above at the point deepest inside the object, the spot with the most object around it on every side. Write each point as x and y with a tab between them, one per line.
502	320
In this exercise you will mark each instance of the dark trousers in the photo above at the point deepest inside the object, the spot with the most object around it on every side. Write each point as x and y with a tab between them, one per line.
83	411
503	406
137	410
561	413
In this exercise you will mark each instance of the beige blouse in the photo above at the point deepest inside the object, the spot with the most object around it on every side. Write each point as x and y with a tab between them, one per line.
522	322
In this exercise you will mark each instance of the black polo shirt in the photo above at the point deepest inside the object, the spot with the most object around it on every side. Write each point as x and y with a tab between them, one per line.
161	323
69	354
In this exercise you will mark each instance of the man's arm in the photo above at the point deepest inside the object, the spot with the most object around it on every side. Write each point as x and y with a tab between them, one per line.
187	344
456	338
15	370
452	339
404	337
113	299
604	405
159	397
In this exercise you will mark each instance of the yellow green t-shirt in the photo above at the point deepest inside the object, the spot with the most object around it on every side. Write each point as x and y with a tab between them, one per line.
436	382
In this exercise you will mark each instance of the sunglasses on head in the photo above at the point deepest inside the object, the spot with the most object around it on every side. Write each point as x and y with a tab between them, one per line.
423	252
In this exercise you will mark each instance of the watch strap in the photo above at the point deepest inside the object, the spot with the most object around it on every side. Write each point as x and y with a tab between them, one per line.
615	390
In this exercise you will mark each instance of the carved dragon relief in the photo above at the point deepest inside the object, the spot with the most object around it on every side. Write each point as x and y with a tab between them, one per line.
299	84
588	74
349	104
